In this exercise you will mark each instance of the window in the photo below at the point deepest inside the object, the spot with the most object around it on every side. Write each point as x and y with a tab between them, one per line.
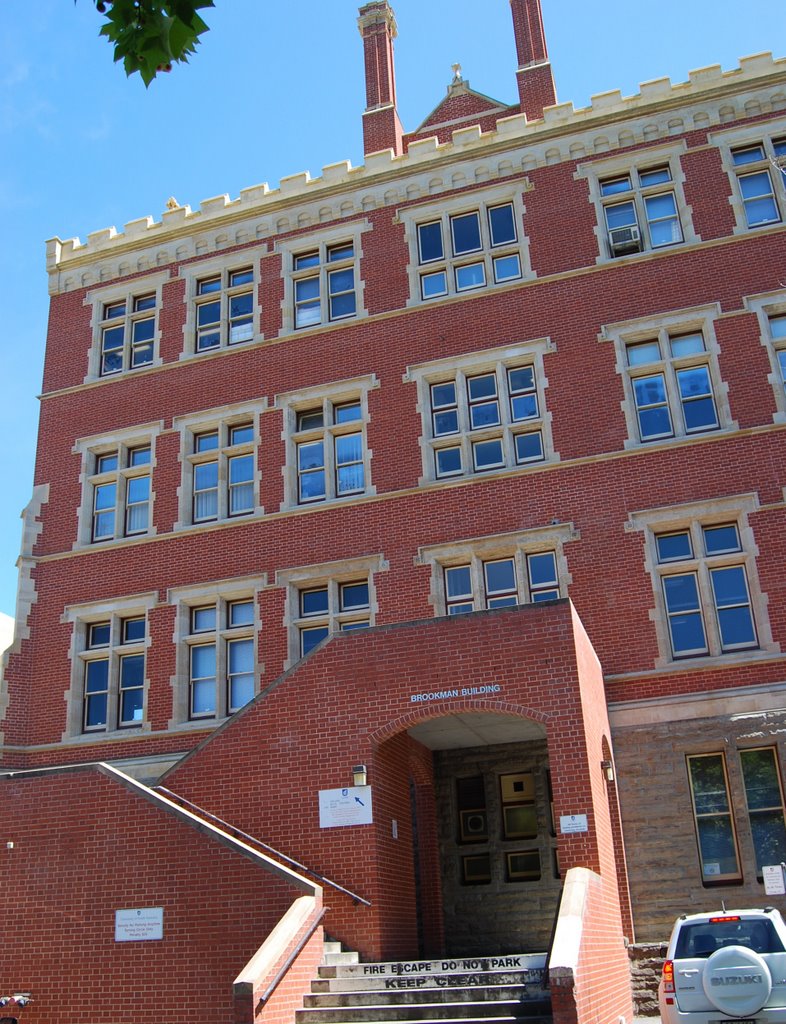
220	469
713	818
458	252
327	451
331	607
120	487
708	600
124	326
220	644
486	415
324	284
499	572
778	335
672	385
754	173
640	210
225	309
698	583
764	798
128	330
335	597
670	375
770	311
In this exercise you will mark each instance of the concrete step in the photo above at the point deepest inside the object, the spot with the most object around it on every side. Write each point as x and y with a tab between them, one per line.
513	993
341	958
482	1010
533	964
533	979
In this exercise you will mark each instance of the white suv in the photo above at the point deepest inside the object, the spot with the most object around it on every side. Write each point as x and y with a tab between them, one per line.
730	965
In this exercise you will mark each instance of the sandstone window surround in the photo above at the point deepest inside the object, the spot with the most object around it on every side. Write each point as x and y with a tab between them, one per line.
116	477
464	243
108	688
125	326
328	598
323	285
670	376
484	411
218	668
708	602
325	433
750	157
771	312
639	201
218	453
222	302
501	570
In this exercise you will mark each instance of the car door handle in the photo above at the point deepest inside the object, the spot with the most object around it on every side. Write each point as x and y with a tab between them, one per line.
690	971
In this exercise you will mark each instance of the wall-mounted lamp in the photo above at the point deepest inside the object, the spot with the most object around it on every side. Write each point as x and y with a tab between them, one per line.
359	775
608	770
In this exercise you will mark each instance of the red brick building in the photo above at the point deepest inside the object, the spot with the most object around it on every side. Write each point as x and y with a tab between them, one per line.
460	475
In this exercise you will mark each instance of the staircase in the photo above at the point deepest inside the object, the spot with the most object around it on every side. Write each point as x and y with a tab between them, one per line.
489	990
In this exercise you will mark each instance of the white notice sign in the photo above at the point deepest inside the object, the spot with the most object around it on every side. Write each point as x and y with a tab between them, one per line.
572	823
773	879
341	807
139	925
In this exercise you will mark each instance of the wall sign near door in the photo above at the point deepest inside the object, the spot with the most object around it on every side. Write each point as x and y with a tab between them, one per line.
341	807
140	925
570	823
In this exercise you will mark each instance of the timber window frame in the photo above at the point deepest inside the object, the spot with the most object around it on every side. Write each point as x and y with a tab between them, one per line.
109	684
764	804
708	602
221	476
325	431
466	243
770	310
504	570
223	310
713	819
672	386
125	327
484	412
330	598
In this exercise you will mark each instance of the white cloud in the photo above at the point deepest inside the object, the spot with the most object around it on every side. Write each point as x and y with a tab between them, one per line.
6	631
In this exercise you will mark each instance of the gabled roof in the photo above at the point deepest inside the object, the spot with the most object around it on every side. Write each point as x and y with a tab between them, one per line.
462	104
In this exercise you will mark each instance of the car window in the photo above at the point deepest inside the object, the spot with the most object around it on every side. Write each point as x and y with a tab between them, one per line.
702	938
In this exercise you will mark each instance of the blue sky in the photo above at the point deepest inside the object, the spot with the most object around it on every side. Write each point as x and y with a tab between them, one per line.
275	90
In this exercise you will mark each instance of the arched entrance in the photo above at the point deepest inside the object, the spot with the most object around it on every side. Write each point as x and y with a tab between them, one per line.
485	870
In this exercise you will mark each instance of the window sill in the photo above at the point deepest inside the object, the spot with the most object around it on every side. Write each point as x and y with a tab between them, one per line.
658	444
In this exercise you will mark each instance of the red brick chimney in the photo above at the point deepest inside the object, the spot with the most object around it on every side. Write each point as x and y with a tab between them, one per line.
535	81
381	126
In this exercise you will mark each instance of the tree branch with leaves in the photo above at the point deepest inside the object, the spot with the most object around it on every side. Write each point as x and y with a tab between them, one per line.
151	35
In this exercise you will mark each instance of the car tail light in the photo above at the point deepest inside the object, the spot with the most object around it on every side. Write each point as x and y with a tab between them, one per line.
717	920
668	979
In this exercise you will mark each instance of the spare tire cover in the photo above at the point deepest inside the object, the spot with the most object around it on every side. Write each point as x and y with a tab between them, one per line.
737	981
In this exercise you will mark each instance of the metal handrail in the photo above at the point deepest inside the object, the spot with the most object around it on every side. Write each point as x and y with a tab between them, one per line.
290	959
200	812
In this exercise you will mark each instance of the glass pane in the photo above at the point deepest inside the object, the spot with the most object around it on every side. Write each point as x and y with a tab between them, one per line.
314	602
354	595
105	496
350	479
208	313
778	326
342	251
241	656
97	676
106	463
747	156
309	638
622	215
307	259
310	455
484	386
649	390
205	476
349	413
446	423
521	379
717	846
686	345
542	569
312	486
500	576
524	407
241	306
682	593
761	211
720	539
709	784
349	448
529	447
114	309
443	394
241	469
241	613
203	661
132	706
203	697
99	635
308	314
341	280
466	233
133	630
488	454
502	225
206	442
132	671
138	489
458	582
433	284
612	186
241	434
139	457
143	331
430	241
760	773
342	305
486	414
643	352
310	420
203	618
306	289
472	276
95	711
237	277
241	691
769	837
655	176
210	284
674	546
507	268
113	338
448	461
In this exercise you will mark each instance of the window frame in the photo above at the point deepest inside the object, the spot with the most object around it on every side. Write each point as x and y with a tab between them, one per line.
332	577
221	267
465	439
476	553
721	878
749	137
323	402
114	615
221	422
446	213
128	293
770	307
753	812
221	596
663	331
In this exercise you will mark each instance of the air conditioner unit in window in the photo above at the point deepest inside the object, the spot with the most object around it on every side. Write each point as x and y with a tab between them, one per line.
622	240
